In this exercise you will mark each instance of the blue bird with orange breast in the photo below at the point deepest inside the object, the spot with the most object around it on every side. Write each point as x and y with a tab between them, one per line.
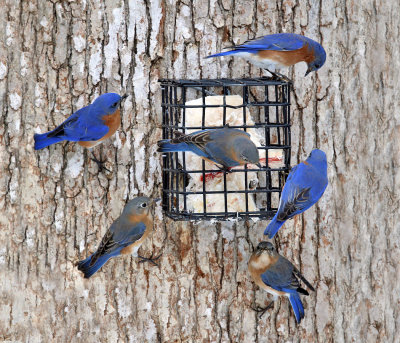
88	126
227	147
125	236
278	276
304	186
280	50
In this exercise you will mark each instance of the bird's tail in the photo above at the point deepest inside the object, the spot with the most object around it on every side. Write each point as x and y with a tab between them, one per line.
297	306
273	228
43	140
237	50
87	269
165	145
225	53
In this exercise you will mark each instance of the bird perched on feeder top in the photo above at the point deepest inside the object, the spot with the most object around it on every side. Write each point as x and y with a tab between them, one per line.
304	186
125	236
88	126
227	147
280	50
278	276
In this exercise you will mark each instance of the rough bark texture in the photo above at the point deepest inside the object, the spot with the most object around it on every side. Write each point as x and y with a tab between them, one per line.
57	56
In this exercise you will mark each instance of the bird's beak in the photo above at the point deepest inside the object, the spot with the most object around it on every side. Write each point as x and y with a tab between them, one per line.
124	97
259	165
308	71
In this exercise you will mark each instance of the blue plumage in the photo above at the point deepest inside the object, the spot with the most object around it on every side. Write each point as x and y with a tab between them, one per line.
303	188
126	232
279	275
227	147
275	42
89	269
281	43
43	140
84	125
297	305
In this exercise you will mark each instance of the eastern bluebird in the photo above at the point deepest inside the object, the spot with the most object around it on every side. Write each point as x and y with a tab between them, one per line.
88	126
304	186
125	236
278	276
280	50
227	147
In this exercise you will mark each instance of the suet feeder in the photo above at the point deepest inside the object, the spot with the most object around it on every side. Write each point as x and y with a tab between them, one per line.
194	189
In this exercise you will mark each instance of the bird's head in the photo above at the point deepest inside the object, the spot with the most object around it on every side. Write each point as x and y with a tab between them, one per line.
266	248
317	158
247	151
139	205
109	102
319	58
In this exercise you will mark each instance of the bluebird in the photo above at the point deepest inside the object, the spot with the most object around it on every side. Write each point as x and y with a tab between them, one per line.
88	126
280	50
227	147
304	186
125	236
278	276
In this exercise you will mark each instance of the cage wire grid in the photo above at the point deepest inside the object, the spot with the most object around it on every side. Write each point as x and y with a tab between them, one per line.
268	102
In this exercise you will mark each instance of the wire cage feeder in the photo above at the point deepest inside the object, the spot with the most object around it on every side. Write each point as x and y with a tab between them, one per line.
194	189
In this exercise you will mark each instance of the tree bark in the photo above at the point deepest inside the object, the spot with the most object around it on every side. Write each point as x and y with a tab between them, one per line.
56	57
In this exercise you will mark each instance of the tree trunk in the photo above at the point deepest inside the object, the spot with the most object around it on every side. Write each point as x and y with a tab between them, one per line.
56	57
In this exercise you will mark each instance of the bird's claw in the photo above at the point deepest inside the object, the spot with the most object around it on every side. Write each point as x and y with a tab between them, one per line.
150	259
262	310
279	76
100	163
178	134
224	169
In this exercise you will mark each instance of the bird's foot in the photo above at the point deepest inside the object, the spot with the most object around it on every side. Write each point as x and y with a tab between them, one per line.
178	134
262	310
100	163
224	169
284	77
279	76
150	259
206	92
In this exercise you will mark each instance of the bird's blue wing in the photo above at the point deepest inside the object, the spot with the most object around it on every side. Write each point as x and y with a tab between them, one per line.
296	197
83	126
198	142
70	123
118	237
276	42
280	276
90	133
221	145
297	202
125	234
219	154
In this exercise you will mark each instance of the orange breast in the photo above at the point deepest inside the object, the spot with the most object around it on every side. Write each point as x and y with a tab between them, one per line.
256	269
148	221
112	121
288	58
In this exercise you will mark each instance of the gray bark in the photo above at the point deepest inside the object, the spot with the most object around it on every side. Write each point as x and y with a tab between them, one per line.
55	57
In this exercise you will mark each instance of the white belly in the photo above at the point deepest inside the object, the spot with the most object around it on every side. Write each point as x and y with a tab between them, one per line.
135	251
260	62
275	294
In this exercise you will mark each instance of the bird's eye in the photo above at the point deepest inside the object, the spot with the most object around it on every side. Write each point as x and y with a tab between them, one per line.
115	104
317	66
144	205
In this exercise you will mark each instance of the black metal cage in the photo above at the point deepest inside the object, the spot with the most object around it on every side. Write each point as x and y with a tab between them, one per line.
262	106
